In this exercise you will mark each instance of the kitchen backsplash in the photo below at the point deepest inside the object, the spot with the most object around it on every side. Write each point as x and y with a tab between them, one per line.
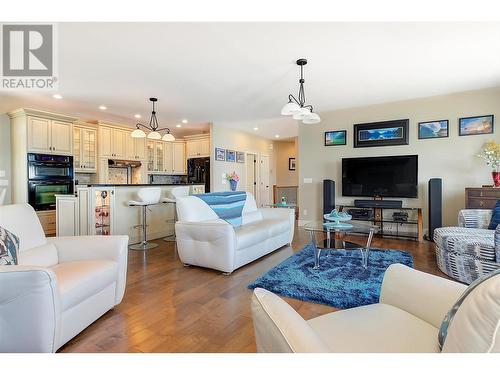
167	179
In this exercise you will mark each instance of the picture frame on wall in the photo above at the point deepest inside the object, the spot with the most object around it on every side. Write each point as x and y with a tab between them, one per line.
383	133
433	129
291	164
476	125
336	138
231	156
240	157
220	154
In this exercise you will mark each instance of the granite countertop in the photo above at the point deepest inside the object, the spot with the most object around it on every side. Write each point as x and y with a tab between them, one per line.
129	185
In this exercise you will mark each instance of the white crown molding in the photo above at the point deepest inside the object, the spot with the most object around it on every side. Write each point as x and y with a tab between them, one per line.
40	113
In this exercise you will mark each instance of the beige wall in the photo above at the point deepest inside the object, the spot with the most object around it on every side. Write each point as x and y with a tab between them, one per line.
284	150
453	159
5	151
237	140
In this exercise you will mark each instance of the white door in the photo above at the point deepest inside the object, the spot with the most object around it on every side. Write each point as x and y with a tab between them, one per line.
251	174
205	147
130	147
140	148
264	188
169	157
179	159
119	143
62	137
39	135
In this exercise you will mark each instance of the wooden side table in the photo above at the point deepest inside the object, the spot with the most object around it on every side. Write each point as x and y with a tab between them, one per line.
482	197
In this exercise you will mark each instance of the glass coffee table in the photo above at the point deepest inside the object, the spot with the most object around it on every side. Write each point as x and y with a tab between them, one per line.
335	238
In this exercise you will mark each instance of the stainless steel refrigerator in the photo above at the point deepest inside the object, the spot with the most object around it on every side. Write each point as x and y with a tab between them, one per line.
199	172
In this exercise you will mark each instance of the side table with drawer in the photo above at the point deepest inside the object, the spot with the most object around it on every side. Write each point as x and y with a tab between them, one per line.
485	197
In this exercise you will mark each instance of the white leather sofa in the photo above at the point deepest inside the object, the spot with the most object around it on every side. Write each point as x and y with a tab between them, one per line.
407	319
203	239
60	286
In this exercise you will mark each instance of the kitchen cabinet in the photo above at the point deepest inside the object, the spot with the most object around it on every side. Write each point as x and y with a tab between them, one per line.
48	222
135	148
47	136
179	158
67	215
197	146
113	142
166	157
85	149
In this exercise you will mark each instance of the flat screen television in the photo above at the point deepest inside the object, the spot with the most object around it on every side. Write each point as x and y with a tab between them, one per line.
383	176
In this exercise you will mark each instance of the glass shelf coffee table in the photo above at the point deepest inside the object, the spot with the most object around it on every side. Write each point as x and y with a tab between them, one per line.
335	238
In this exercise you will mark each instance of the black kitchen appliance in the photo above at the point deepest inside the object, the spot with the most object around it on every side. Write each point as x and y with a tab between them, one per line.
199	172
48	175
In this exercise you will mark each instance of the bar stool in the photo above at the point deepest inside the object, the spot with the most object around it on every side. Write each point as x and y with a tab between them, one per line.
176	192
147	197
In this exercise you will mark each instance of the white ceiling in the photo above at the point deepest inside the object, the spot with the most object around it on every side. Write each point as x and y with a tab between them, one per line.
239	74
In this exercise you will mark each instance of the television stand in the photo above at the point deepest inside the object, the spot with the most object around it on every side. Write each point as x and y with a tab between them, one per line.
406	224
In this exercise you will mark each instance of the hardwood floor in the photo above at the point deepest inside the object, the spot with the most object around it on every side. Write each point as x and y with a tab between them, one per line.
171	308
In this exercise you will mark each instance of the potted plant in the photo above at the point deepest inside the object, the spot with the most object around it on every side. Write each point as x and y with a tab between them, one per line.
233	179
491	154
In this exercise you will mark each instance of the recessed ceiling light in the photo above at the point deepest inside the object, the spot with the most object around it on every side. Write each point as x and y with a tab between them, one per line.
178	126
255	128
137	115
184	121
277	136
57	96
103	107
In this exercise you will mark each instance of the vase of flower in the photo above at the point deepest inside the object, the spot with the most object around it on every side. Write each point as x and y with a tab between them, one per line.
491	154
233	179
496	178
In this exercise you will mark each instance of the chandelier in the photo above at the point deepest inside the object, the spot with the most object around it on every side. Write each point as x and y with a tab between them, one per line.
154	132
298	107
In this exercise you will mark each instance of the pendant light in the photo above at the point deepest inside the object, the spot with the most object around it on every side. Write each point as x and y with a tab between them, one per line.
152	127
298	107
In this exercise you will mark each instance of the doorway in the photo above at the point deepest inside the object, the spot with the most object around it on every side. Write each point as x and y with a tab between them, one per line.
251	174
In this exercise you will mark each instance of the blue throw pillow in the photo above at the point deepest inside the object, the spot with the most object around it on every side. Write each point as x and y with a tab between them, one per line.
9	247
495	217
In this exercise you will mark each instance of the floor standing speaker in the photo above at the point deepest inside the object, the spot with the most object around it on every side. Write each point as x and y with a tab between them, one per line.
435	195
328	196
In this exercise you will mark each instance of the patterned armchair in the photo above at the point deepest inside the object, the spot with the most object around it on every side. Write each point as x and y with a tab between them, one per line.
470	250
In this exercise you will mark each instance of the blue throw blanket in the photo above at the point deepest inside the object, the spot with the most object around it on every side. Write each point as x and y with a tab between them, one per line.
228	205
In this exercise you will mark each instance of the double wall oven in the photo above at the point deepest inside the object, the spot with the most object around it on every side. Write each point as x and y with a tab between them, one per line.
49	175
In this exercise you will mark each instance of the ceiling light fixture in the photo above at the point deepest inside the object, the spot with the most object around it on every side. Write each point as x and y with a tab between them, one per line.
57	96
255	129
178	126
277	136
154	132
184	121
137	116
103	107
298	107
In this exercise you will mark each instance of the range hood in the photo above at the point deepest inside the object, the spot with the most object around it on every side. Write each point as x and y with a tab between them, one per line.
112	163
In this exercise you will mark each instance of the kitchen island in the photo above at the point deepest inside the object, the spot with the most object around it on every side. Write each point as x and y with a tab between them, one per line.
103	209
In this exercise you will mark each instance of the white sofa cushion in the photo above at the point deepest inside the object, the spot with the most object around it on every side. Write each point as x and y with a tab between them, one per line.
250	234
41	256
79	280
377	328
21	220
475	328
276	227
279	329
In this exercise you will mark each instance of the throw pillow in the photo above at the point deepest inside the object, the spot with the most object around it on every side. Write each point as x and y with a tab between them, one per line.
9	247
443	330
495	217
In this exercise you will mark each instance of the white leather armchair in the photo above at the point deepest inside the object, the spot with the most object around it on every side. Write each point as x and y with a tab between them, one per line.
407	319
207	241
60	286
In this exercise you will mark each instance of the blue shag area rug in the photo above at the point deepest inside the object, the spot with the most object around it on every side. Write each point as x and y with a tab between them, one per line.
340	282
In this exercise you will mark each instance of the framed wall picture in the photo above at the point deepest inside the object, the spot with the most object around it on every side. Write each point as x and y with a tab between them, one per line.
230	155
291	164
384	133
475	125
336	138
433	129
220	154
240	157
